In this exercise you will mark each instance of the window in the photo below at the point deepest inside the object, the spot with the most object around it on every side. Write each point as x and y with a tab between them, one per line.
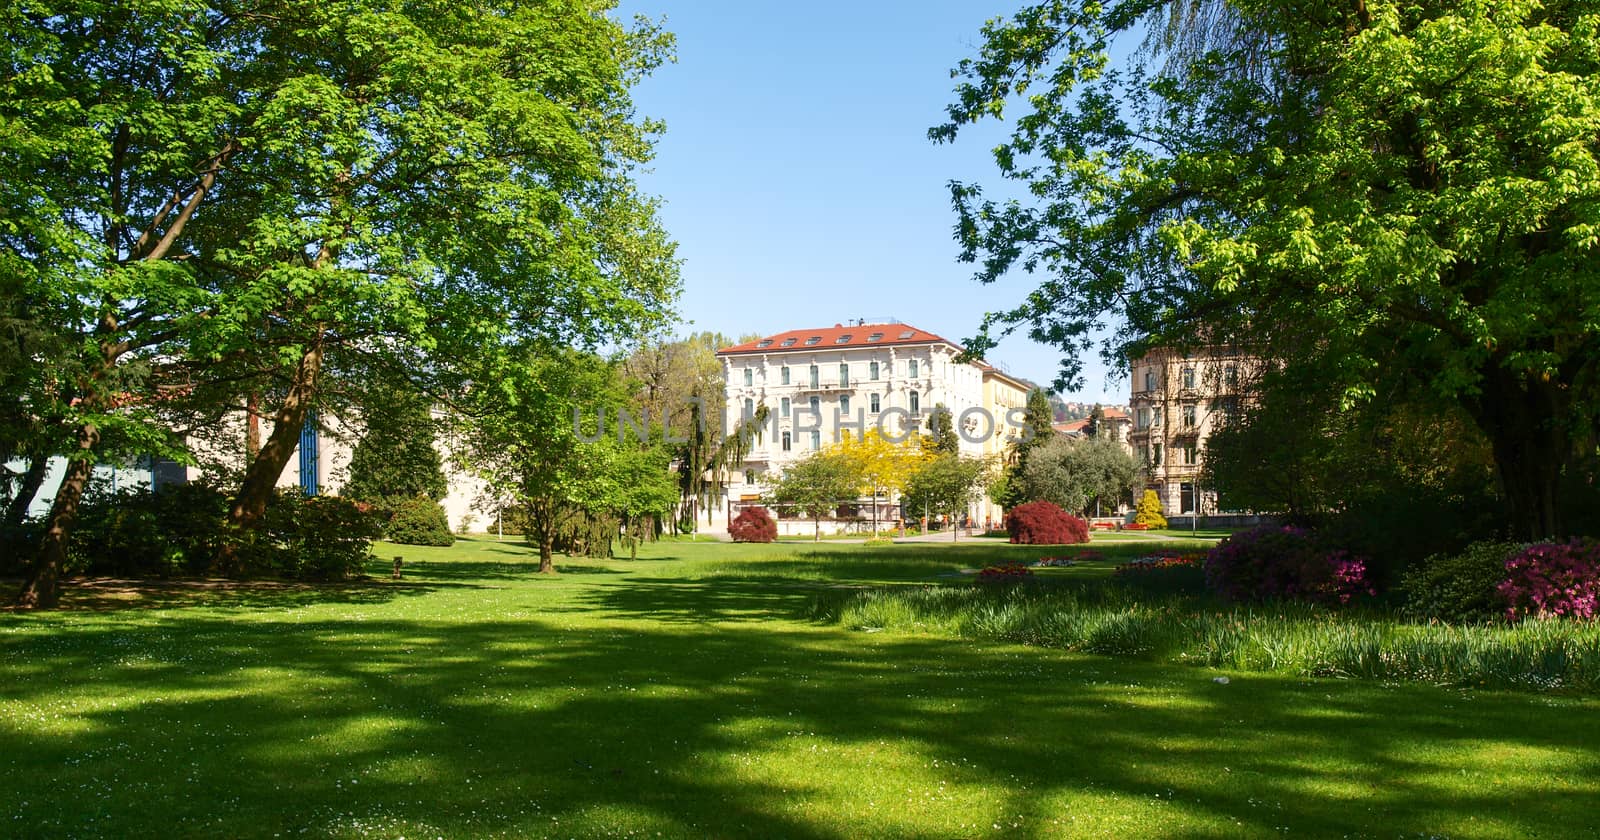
844	376
1188	377
1144	418
1155	454
1189	455
749	408
907	334
873	401
1188	415
783	408
813	372
816	440
816	407
783	374
1155	416
843	339
1149	380
814	340
765	342
1231	374
788	342
875	337
915	403
749	376
310	455
911	368
844	404
787	442
872	371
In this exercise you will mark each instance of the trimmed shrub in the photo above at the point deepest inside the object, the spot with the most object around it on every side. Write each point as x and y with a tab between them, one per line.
1148	513
418	520
1462	587
1044	523
1284	563
1554	579
753	524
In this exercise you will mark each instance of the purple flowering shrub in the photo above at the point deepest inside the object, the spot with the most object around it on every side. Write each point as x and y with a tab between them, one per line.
1554	579
1275	562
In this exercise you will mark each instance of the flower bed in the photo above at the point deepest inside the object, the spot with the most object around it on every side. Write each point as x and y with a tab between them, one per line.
1136	526
1005	573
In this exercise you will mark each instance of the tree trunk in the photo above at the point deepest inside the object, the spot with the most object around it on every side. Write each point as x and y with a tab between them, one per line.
252	426
32	480
816	532
43	587
1525	422
261	477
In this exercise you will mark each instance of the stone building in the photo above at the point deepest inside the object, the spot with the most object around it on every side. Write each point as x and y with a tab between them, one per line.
1178	400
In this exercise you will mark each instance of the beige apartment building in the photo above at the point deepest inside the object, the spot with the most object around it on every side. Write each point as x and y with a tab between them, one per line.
1179	398
820	384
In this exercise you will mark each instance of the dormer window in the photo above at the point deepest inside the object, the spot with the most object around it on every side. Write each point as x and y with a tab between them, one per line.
907	334
765	342
843	339
875	337
816	339
788	342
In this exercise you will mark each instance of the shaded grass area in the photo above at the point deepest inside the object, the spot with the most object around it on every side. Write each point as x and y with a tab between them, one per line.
691	694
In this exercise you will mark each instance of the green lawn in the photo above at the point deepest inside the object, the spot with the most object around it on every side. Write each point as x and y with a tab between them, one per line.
691	694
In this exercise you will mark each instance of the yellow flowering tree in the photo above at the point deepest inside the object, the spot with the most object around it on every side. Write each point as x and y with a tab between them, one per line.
881	466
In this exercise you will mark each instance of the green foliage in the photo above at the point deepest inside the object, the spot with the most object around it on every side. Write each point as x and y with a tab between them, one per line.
941	438
1460	587
311	538
133	532
1075	473
1297	639
815	486
1380	193
945	485
396	457
418	520
1148	512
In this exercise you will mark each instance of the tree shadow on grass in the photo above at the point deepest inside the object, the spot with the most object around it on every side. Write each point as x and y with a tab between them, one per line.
259	726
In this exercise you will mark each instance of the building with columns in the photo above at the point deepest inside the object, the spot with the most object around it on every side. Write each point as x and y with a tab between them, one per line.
820	384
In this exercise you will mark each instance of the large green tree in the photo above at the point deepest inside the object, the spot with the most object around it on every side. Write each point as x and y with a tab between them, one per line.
1075	474
1372	189
944	485
265	196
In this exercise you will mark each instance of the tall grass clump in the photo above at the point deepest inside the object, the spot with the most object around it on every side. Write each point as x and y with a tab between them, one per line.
1295	638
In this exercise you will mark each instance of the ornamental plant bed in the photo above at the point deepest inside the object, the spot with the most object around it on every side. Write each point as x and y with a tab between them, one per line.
1005	573
1136	526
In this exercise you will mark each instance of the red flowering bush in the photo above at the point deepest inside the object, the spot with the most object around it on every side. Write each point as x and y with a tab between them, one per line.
1554	579
1045	523
1005	573
1284	562
753	524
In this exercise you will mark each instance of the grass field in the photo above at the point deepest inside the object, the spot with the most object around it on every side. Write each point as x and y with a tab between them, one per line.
691	694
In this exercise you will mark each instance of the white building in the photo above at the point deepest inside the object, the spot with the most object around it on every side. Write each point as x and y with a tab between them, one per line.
819	384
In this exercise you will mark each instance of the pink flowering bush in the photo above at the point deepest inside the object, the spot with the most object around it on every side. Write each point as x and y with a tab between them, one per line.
1275	562
1554	579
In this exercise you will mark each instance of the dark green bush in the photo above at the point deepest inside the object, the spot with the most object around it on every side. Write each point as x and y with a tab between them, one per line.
313	538
136	533
418	520
1461	587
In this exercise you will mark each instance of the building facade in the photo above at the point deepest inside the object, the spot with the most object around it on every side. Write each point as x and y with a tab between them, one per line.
1178	400
821	384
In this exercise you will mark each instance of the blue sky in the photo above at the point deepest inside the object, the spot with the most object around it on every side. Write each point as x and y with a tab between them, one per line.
798	178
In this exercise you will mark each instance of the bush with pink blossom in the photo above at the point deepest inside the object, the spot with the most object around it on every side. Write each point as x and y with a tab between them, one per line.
1283	562
1554	579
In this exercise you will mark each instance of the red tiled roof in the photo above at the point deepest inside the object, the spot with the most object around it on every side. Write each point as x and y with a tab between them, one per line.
837	335
1068	428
